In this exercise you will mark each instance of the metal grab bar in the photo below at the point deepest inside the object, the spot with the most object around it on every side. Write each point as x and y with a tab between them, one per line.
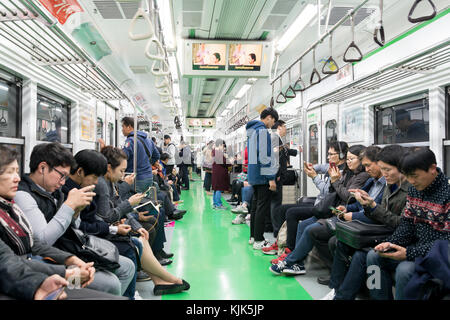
299	85
161	71
141	13
380	29
330	60
353	44
314	72
272	100
424	18
159	48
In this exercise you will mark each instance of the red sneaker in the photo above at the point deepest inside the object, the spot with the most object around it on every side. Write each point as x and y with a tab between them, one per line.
282	257
273	249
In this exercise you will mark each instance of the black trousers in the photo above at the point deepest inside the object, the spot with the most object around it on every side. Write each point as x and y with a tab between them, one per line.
325	243
169	169
236	190
275	204
184	173
260	211
208	181
293	216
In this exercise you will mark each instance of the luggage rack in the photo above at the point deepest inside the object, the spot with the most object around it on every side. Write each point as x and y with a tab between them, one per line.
25	25
422	63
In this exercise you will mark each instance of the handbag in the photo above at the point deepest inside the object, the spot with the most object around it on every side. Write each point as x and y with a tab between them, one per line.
322	209
331	224
89	248
359	235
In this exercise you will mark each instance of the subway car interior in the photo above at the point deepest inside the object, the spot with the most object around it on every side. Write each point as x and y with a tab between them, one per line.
329	82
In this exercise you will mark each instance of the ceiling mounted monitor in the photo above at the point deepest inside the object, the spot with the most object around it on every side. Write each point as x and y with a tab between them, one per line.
215	58
201	122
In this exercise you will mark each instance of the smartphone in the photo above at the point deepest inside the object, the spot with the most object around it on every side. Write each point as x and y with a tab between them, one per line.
54	295
333	165
144	204
334	209
128	174
388	250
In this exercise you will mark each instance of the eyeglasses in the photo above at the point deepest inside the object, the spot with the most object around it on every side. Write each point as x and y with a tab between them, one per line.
351	159
63	176
332	154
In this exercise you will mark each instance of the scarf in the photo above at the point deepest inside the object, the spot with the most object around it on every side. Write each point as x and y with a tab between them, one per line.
18	229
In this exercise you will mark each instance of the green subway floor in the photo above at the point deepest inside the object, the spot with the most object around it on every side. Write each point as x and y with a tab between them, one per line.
215	258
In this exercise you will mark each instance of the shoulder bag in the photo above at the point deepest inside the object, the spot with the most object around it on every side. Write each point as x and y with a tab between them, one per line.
359	235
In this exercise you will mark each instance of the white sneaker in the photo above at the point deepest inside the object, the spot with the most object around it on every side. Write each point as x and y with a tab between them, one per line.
330	295
247	217
251	241
258	245
137	296
238	220
240	209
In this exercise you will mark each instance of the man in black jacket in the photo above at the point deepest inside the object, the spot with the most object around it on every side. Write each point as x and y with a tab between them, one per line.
282	154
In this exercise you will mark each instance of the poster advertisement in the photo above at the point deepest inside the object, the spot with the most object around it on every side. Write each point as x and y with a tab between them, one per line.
352	124
62	9
87	123
208	56
245	57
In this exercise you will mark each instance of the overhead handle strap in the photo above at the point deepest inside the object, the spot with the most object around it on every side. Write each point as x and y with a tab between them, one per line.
290	93
424	18
314	73
163	70
151	30
353	45
162	84
159	48
380	29
330	61
164	92
299	85
281	98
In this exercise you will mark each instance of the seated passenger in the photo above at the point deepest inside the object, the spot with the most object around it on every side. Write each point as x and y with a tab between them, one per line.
353	177
293	213
165	283
40	198
346	280
424	220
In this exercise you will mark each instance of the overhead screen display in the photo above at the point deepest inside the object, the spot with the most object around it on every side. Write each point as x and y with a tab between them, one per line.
227	59
207	56
244	57
201	122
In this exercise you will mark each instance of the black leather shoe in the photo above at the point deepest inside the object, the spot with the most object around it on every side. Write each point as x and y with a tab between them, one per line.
176	211
176	216
163	254
325	280
161	289
164	261
186	285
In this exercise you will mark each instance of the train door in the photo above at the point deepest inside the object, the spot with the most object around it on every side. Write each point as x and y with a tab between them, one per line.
312	151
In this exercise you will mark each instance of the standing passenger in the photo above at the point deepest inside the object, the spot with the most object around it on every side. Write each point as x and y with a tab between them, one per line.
220	178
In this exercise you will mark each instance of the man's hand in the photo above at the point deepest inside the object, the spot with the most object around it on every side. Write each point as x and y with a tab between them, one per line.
130	178
348	216
80	197
399	254
49	285
123	229
363	198
135	199
272	185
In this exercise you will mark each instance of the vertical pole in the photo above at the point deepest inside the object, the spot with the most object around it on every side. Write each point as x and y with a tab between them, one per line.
135	145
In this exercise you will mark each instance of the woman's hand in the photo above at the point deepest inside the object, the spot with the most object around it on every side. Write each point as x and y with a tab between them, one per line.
135	199
334	173
130	179
363	197
143	217
143	233
123	229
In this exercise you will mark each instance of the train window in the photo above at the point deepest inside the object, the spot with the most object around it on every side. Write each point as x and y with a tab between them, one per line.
52	120
402	123
331	133
9	109
313	144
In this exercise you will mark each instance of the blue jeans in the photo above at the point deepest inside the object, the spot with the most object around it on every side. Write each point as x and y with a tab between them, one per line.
217	201
303	242
247	194
403	272
142	185
347	280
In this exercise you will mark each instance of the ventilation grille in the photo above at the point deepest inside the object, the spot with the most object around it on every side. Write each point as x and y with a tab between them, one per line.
116	10
337	13
234	18
278	15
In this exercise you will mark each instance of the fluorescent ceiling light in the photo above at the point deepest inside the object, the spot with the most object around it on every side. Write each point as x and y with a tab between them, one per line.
231	104
243	90
165	16
299	24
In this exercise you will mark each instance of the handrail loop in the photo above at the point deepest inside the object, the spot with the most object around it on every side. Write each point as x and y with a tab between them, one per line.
141	13
353	44
423	18
330	61
299	85
281	98
380	28
290	93
314	72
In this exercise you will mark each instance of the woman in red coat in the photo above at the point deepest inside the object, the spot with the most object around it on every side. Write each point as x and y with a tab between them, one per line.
220	178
